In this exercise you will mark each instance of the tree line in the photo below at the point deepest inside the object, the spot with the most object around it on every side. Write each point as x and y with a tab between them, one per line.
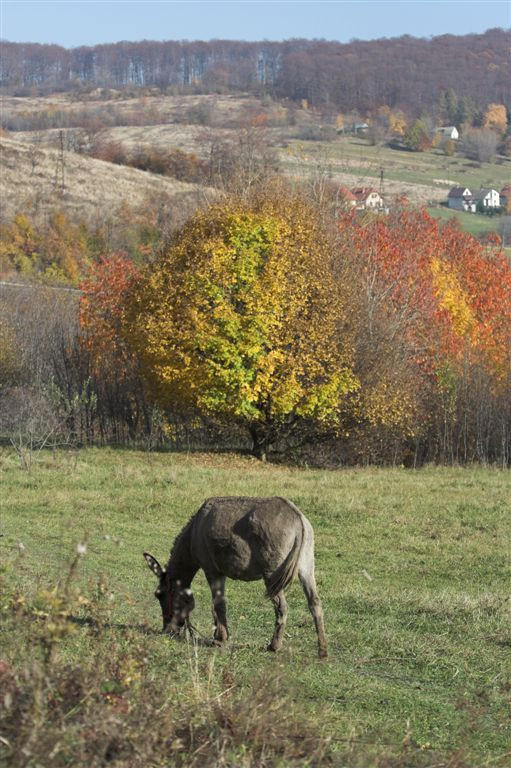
406	72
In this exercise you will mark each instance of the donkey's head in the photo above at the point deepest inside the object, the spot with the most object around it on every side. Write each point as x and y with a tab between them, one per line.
176	603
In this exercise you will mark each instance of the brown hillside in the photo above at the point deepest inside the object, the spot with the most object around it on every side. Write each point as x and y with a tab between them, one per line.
30	177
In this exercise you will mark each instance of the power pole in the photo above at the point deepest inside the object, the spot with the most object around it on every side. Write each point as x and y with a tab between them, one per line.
381	184
59	181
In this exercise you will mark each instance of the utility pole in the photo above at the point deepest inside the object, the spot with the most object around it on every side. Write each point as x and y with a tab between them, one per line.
59	181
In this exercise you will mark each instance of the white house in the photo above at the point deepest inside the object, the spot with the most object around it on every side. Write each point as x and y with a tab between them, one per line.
448	132
366	197
461	199
353	128
489	198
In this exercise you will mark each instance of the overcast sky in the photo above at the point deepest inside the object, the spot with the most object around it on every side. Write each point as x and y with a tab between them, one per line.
87	22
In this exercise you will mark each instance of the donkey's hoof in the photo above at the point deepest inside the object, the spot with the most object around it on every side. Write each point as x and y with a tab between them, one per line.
273	647
323	653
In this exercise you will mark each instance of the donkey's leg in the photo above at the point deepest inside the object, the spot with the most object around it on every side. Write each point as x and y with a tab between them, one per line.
280	605
217	586
308	581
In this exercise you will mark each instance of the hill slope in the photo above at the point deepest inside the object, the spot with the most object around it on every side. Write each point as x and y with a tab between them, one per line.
32	177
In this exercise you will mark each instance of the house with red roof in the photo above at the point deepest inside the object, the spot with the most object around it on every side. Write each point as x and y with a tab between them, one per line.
346	198
367	198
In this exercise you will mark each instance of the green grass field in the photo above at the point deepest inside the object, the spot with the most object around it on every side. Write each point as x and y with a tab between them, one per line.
413	568
476	224
432	168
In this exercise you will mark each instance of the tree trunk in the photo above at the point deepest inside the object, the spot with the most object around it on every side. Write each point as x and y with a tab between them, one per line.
260	441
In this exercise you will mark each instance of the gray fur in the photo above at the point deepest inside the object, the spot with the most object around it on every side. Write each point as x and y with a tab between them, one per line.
245	539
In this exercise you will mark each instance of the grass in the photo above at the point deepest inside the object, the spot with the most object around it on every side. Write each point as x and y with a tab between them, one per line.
413	569
91	186
432	168
476	224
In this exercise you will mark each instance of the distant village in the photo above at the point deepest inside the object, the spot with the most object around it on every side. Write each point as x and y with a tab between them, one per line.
482	200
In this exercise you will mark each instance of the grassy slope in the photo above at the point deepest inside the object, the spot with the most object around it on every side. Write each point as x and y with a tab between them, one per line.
424	177
352	161
474	223
413	568
431	168
90	185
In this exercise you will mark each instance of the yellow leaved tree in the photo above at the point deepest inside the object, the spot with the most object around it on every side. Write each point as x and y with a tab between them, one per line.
495	118
241	317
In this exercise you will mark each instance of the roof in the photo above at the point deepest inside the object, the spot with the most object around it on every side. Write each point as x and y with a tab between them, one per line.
459	192
447	128
362	193
346	193
480	194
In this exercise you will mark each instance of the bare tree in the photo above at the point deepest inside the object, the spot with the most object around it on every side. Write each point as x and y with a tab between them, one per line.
479	144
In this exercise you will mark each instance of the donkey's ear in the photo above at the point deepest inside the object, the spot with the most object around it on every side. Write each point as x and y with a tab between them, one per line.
153	564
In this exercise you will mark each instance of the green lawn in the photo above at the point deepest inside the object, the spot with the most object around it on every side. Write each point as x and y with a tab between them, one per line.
476	224
413	568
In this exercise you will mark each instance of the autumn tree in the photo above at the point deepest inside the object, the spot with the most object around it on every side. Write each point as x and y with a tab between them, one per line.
111	364
417	137
56	250
240	317
431	309
495	118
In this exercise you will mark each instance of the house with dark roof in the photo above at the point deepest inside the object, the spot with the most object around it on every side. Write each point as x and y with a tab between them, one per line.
448	132
461	199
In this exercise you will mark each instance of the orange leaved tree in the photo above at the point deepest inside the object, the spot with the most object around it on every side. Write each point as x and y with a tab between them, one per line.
112	366
434	325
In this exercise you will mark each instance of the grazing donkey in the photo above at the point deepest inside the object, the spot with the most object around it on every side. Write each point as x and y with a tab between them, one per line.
240	538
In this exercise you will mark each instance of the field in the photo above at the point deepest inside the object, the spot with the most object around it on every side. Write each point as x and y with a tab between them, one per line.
191	123
433	168
413	568
476	224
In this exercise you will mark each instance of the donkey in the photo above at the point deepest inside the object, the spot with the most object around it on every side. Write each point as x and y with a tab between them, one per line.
246	539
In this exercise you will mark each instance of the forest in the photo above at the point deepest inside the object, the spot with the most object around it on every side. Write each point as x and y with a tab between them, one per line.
406	73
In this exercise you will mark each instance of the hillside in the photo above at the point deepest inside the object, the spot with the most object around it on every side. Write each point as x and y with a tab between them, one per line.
31	177
302	142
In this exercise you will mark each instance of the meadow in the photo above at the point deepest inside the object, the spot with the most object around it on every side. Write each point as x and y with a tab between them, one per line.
476	224
356	156
413	569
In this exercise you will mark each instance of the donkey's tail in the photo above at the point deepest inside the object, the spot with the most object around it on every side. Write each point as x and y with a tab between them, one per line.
286	571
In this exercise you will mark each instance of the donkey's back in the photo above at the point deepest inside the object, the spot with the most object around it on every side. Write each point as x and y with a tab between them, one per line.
250	538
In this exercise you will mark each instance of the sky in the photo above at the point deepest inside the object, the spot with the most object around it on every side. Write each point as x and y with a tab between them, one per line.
87	22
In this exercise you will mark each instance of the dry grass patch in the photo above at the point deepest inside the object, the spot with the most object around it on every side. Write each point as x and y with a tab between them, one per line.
90	186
